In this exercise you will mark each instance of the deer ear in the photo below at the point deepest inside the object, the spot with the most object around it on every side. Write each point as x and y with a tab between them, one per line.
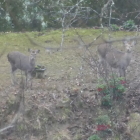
38	51
29	49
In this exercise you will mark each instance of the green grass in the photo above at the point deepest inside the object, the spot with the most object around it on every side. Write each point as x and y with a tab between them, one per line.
58	63
20	41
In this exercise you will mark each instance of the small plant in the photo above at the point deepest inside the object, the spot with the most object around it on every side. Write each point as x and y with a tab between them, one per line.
94	137
114	27
114	89
129	25
117	87
103	119
103	125
106	101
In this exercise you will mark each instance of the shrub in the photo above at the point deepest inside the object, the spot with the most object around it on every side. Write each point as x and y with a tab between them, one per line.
103	119
106	101
129	25
94	137
114	27
114	87
103	125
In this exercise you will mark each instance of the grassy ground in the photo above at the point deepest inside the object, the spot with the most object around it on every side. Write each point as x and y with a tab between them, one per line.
54	110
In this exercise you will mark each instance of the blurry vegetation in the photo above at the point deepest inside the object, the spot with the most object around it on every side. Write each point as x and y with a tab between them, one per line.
113	90
114	27
129	25
103	119
94	137
32	15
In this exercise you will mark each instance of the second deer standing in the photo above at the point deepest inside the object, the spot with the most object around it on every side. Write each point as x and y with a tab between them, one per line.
115	58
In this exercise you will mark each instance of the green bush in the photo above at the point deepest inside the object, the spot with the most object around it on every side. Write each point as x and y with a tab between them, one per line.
5	25
103	119
114	27
115	87
94	137
112	90
103	125
129	25
106	101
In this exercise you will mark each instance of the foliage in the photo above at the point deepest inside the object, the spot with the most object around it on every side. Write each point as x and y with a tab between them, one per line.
103	119
103	125
94	137
112	90
129	25
114	27
42	14
5	25
106	101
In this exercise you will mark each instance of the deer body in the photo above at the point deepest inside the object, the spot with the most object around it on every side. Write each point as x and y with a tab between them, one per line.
116	59
20	61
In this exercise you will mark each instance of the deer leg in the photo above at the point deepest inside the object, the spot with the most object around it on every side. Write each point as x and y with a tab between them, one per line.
29	80
104	65
122	72
125	75
13	77
26	80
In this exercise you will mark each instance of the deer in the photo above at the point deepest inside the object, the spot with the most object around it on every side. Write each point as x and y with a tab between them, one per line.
116	59
25	63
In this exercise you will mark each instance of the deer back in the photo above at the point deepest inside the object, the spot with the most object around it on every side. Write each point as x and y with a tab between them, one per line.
114	58
20	61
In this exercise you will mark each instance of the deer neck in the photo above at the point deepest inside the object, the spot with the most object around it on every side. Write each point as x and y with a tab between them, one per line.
32	61
128	55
